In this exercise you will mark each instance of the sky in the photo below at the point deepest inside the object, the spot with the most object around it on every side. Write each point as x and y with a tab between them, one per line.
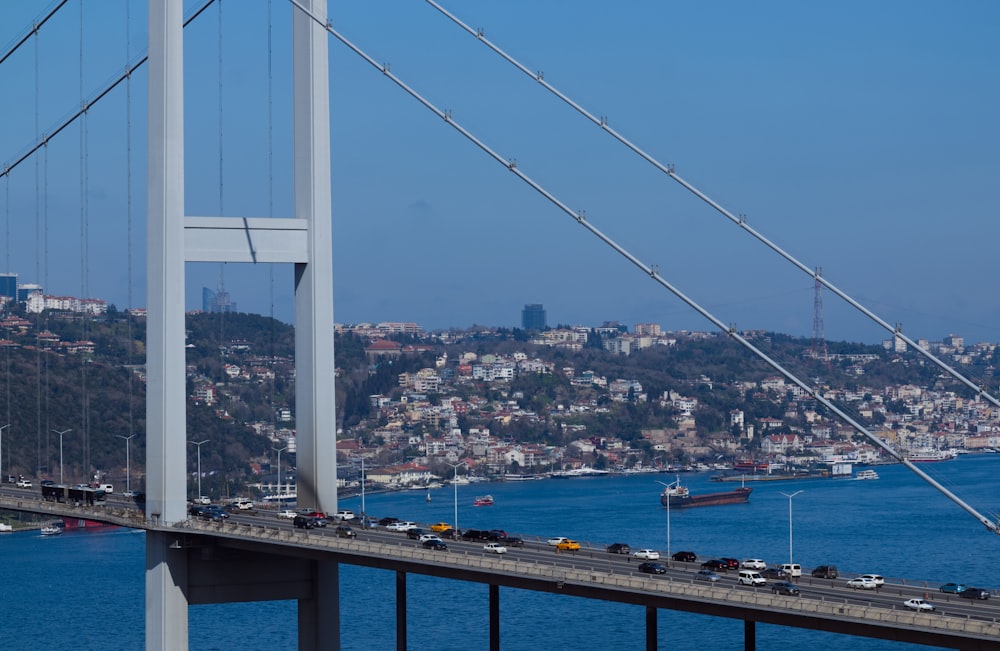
861	138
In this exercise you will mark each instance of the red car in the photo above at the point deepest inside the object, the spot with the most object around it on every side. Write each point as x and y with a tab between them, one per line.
731	563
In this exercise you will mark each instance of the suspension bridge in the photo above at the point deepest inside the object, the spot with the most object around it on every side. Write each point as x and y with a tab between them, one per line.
302	238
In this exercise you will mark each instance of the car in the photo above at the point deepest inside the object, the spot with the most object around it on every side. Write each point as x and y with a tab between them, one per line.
715	565
202	499
496	535
424	537
652	568
860	583
344	515
685	557
401	525
974	593
435	543
826	572
415	533
440	526
513	541
304	522
753	564
345	531
618	548
319	516
241	504
385	522
568	546
919	605
774	573
647	554
786	587
24	483
552	542
953	588
287	514
494	548
476	534
706	575
877	578
731	563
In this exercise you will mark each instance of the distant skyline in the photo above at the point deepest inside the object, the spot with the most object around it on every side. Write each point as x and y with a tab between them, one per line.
861	138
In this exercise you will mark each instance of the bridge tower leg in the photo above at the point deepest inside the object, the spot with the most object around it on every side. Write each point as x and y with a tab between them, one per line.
305	240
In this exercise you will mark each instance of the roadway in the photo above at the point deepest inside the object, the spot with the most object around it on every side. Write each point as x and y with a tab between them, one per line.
591	572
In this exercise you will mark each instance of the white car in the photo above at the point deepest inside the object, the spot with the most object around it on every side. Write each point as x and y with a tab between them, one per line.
24	483
552	542
344	515
877	578
429	536
400	526
494	548
287	514
862	583
753	564
647	554
919	605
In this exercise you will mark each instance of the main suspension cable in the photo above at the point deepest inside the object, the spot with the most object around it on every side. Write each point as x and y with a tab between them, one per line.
651	271
739	220
29	31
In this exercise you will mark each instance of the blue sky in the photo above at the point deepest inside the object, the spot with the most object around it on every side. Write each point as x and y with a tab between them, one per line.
860	137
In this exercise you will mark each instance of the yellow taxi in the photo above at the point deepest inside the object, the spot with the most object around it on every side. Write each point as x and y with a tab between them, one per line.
440	526
568	546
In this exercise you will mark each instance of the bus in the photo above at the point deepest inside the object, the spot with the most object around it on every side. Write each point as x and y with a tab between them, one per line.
79	495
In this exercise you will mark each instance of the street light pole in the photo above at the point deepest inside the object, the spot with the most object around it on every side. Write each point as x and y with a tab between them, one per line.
2	428
454	483
790	523
128	463
364	516
667	493
199	444
65	431
279	470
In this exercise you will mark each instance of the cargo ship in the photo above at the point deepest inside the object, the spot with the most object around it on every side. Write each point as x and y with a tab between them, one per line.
679	497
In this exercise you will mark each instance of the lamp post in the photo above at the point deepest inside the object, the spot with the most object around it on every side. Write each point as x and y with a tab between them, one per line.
279	469
790	523
65	431
199	444
667	493
2	428
454	483
364	516
128	463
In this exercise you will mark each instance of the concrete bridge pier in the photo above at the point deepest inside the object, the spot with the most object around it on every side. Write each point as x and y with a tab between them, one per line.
749	635
400	611
651	632
494	617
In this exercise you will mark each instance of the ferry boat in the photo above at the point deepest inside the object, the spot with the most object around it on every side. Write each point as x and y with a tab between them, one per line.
929	455
483	500
679	497
866	474
51	530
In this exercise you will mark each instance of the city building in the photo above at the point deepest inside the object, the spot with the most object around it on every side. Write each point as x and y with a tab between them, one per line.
533	317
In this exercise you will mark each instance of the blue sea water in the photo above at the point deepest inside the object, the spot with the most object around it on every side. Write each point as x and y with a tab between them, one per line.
84	590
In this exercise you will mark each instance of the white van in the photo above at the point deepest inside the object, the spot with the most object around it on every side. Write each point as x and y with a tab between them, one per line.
794	570
107	488
750	577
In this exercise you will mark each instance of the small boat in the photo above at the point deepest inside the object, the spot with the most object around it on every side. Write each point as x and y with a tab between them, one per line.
866	474
51	530
483	500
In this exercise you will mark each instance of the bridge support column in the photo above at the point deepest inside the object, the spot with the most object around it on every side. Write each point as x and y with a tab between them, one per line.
319	615
651	632
166	594
749	635
494	617
400	611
